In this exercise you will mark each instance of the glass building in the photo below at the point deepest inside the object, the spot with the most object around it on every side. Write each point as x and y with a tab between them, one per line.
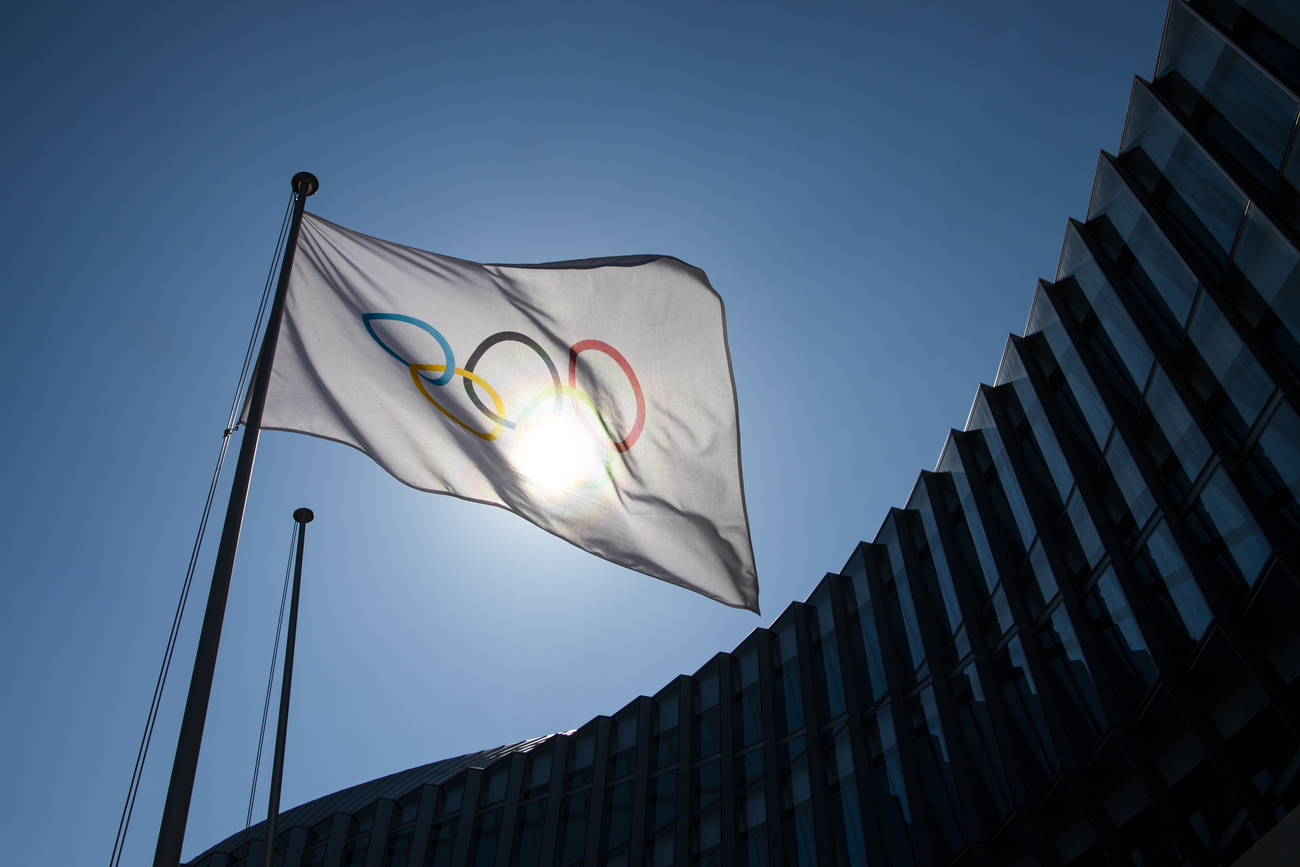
1077	643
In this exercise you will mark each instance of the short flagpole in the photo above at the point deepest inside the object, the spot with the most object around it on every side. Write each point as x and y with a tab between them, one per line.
171	833
303	517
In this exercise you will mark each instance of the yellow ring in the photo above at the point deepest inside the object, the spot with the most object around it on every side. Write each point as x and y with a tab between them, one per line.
497	403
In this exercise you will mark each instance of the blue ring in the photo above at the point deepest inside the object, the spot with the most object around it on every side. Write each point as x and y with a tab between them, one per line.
411	320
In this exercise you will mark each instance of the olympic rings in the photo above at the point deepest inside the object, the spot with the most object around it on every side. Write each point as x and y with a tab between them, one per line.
501	337
555	393
450	366
492	393
601	346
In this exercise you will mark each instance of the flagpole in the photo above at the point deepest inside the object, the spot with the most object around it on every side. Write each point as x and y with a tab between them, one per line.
171	833
303	517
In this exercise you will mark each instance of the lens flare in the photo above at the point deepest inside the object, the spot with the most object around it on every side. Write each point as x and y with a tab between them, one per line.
557	452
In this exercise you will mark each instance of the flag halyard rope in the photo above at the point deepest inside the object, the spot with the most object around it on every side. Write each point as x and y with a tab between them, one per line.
123	825
270	677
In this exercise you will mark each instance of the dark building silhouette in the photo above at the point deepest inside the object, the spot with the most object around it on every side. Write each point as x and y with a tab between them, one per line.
1078	643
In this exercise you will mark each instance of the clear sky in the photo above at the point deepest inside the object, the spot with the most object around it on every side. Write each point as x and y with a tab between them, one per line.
872	187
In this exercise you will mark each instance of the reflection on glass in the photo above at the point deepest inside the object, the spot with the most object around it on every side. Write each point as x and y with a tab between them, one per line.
1263	284
1170	436
1230	99
842	800
1275	464
1165	572
1225	375
1174	170
1230	535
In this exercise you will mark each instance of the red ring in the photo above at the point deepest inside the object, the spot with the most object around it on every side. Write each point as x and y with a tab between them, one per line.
601	346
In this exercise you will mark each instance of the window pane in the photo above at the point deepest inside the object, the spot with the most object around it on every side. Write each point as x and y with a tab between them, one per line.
1131	665
1225	95
1230	535
1193	191
1140	251
1275	464
1170	437
1179	599
1225	375
1264	285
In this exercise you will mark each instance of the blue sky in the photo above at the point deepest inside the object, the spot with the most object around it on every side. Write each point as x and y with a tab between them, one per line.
872	187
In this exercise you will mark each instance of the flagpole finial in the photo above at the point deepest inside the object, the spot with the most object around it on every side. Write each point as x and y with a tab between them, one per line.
305	183
303	516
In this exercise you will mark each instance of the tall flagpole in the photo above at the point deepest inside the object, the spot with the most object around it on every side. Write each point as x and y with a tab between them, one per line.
303	517
171	834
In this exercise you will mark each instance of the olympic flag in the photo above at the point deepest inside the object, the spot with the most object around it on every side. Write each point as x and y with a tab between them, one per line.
593	398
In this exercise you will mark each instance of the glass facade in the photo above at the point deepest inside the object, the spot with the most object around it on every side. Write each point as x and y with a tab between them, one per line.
1077	643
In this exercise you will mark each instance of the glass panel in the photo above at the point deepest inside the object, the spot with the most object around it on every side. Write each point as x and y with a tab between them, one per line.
582	758
483	840
1124	492
1105	322
964	518
940	589
1170	166
1085	533
1170	436
1171	746
398	851
537	770
1038	584
842	800
1269	30
705	739
1002	618
1003	479
1118	790
936	772
618	816
661	850
528	835
747	714
1023	702
1235	702
864	636
442	841
993	791
706	839
1140	252
493	788
706	786
1225	95
751	827
1131	665
1223	372
785	675
573	829
1039	446
622	742
1232	539
899	606
661	805
829	680
1263	284
1275	464
1066	825
1064	657
1180	606
796	802
664	718
891	792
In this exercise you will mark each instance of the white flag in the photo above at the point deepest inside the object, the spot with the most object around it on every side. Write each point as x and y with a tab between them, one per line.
593	398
